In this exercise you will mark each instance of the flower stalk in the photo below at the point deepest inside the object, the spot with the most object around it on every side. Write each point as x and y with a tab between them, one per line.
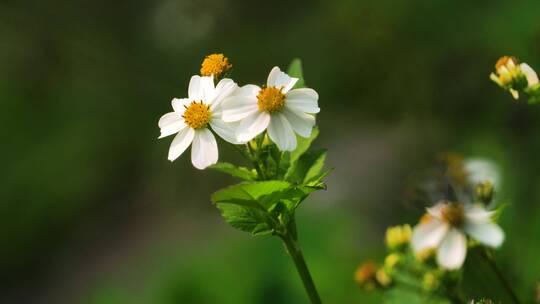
488	257
298	258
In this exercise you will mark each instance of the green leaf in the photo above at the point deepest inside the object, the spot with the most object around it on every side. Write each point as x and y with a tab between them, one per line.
288	159
295	70
240	172
252	220
307	168
256	194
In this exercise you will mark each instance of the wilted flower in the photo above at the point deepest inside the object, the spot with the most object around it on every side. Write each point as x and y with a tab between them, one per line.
275	107
398	236
513	76
215	65
192	118
447	227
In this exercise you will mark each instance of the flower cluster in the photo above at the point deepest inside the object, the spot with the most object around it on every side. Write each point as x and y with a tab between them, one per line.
428	258
272	126
516	78
237	114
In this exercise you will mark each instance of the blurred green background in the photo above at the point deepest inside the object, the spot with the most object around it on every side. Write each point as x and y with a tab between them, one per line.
92	212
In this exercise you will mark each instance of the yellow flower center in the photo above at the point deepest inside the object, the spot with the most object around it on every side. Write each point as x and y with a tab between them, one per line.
197	115
507	69
215	64
453	214
271	99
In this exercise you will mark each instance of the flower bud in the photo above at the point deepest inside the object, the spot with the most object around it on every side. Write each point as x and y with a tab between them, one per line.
365	275
383	278
216	65
391	260
512	76
484	192
398	236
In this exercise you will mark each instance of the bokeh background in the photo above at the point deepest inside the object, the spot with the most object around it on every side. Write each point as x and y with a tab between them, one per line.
91	211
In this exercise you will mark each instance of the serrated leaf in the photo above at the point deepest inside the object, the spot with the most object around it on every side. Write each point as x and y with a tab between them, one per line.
295	70
240	172
257	194
249	219
307	168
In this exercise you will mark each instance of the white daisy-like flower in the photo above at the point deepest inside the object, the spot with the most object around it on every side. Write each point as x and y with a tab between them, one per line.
446	226
274	107
480	170
192	118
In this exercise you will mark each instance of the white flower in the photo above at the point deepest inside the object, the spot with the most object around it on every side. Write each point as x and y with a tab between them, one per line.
445	228
480	170
532	78
192	118
274	107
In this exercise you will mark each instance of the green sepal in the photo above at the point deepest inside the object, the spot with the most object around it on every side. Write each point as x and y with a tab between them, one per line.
295	70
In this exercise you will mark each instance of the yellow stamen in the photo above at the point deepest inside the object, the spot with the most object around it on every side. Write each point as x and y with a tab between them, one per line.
453	214
271	99
215	64
197	115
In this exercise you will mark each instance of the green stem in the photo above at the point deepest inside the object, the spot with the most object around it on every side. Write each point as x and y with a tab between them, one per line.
255	161
506	284
296	254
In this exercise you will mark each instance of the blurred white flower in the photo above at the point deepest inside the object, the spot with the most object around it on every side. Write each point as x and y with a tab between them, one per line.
445	228
480	170
275	107
192	118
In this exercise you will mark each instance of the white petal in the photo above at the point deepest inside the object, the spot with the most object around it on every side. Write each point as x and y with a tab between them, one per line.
435	211
180	143
204	151
201	88
477	213
532	78
281	132
489	234
277	78
179	104
225	130
303	100
170	123
301	123
252	126
247	90
223	90
428	235
453	249
236	108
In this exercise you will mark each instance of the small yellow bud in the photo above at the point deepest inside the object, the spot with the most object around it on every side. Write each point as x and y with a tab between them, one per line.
430	281
365	275
425	254
398	236
391	260
216	65
383	278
